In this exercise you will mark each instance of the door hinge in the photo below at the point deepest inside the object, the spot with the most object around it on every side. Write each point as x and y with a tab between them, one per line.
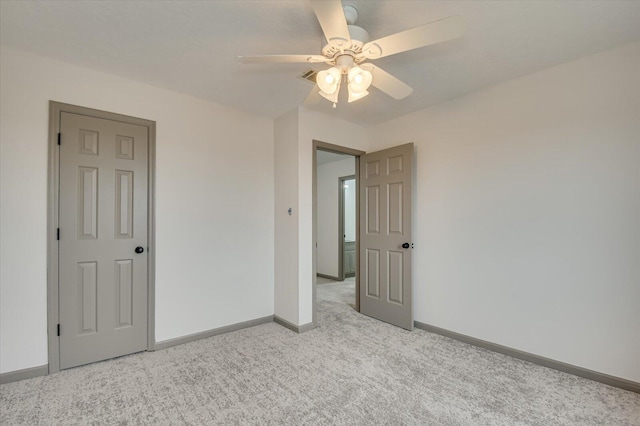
58	330
58	234
59	138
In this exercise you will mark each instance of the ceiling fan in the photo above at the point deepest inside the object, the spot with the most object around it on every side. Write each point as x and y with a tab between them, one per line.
348	47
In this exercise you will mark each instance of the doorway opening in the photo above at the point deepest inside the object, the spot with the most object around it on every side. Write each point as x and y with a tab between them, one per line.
383	182
335	226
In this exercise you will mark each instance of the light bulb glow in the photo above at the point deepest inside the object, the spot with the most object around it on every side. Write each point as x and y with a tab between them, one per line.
357	79
328	79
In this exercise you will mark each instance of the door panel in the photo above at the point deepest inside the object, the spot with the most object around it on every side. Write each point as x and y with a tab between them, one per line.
395	260
87	297
372	273
124	292
373	209
87	203
385	188
394	201
103	218
124	204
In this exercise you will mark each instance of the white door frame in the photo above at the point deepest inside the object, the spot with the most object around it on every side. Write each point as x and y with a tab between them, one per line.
324	146
55	110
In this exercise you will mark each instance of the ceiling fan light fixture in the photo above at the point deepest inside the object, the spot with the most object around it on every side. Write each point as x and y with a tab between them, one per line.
359	82
333	97
359	79
329	81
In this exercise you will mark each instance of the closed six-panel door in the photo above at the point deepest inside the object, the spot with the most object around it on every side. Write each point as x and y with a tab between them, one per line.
385	235
102	220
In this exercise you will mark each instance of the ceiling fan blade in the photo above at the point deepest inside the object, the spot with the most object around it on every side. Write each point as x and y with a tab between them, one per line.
313	98
387	83
332	20
280	59
424	35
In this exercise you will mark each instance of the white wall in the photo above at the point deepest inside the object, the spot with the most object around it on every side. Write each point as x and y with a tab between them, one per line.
294	188
286	226
527	212
328	197
214	202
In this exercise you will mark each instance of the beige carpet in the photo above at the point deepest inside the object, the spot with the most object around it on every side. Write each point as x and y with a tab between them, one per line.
351	370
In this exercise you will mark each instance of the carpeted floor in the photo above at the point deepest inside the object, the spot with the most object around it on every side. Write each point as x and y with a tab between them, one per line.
351	370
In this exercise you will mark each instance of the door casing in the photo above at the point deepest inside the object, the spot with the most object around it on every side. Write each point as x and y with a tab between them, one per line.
55	109
324	146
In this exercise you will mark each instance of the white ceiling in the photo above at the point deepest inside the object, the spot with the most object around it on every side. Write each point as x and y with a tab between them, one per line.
190	46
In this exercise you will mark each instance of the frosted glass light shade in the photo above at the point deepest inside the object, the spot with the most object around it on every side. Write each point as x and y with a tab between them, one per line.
359	82
354	96
329	80
359	79
333	97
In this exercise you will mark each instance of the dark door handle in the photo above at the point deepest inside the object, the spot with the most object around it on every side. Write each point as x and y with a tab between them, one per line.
139	250
405	245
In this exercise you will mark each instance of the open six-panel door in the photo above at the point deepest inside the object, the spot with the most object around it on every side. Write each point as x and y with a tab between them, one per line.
385	235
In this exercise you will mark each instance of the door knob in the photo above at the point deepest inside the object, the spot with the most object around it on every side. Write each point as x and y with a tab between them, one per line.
139	250
405	245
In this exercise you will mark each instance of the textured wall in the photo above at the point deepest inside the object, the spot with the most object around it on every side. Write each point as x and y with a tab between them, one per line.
286	225
214	203
527	212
